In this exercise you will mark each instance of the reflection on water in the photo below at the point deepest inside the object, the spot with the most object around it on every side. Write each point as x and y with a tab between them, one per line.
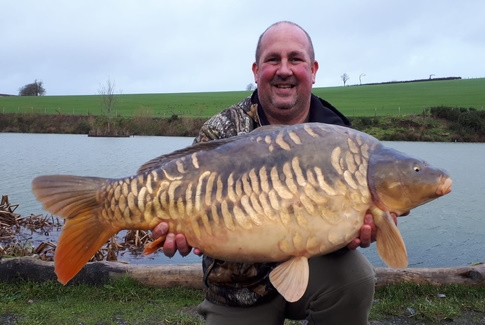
25	156
449	231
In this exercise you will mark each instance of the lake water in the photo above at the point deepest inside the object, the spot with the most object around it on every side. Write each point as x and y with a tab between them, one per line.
447	232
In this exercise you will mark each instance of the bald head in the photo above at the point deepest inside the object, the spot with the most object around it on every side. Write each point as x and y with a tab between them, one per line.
284	25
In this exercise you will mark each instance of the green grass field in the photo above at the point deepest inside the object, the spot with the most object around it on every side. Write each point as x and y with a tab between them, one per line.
124	301
365	100
405	98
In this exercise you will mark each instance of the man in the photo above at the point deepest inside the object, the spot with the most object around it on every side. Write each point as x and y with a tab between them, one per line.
341	285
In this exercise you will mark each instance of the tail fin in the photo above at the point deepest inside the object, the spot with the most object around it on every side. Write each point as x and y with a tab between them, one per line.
85	231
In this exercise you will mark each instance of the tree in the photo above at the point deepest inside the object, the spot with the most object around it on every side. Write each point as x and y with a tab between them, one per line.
345	77
251	86
33	89
107	93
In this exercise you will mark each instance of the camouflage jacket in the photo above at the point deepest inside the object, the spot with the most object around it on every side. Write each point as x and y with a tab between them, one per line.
243	284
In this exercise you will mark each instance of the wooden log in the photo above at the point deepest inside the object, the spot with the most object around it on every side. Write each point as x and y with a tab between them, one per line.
468	275
190	275
169	275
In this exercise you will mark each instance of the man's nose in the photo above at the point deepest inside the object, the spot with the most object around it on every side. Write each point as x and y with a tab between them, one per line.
284	69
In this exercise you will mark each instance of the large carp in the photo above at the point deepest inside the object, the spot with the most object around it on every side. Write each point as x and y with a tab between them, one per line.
279	194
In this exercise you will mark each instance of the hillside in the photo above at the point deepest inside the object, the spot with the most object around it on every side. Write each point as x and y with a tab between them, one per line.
389	99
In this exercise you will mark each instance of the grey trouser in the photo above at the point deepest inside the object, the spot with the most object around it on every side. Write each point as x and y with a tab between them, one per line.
340	291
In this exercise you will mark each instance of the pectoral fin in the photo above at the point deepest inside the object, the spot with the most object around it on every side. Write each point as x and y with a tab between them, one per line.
291	278
390	244
153	246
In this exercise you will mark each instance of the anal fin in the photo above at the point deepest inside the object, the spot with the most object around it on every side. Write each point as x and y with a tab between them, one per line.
290	278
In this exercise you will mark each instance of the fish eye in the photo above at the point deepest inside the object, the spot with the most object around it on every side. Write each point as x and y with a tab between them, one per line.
417	169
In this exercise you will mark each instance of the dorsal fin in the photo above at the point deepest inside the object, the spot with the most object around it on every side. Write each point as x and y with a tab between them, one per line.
202	146
163	159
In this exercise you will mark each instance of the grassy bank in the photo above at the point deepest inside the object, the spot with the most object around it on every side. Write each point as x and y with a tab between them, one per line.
439	124
99	125
124	301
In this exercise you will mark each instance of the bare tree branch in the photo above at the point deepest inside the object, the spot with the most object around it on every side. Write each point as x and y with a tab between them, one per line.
107	93
345	77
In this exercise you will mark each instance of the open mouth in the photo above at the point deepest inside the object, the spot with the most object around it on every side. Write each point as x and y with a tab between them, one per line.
284	86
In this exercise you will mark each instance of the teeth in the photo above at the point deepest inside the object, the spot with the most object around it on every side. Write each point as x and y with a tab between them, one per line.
284	86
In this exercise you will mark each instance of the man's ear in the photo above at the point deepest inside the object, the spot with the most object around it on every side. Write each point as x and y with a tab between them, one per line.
314	71
255	72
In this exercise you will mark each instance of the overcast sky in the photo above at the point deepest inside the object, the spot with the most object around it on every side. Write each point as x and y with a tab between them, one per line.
161	46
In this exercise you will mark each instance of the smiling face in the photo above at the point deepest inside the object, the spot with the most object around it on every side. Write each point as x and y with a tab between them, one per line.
285	72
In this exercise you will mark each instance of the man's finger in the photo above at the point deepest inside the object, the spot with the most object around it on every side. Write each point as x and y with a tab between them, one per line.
354	244
365	236
183	247
160	230
368	219
169	246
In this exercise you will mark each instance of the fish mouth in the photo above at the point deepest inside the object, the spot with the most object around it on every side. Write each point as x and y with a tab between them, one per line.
444	187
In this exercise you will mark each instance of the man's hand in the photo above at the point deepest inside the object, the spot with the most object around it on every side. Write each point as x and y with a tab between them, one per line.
368	231
173	242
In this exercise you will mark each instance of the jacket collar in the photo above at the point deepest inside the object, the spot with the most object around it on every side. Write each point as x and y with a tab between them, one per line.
320	111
